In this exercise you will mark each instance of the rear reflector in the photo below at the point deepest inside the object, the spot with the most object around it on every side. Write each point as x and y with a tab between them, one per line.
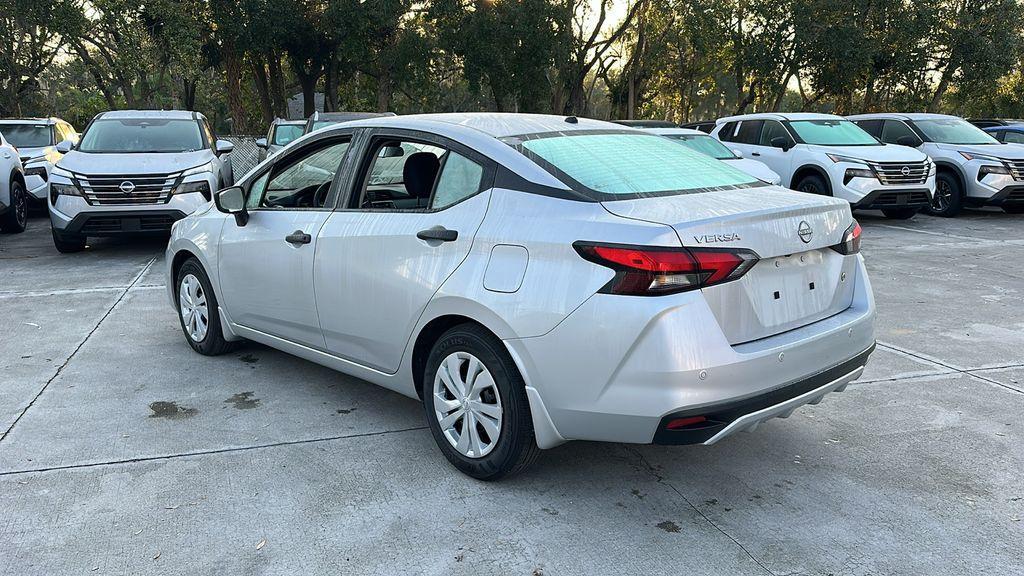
680	423
654	271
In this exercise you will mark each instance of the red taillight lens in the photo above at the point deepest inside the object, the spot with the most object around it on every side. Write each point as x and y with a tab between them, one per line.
652	271
851	240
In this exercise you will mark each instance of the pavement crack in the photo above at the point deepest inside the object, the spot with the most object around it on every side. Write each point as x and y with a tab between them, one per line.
67	360
208	452
661	480
972	372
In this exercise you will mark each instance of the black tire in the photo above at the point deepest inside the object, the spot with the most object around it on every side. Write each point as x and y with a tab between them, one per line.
1014	209
899	213
813	184
949	196
213	342
67	243
16	218
516	446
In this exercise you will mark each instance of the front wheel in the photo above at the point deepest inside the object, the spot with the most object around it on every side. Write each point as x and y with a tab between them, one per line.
16	218
814	184
476	405
899	213
198	311
67	243
948	196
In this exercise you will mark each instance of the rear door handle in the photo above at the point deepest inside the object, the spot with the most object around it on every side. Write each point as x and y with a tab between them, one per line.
298	237
439	233
755	153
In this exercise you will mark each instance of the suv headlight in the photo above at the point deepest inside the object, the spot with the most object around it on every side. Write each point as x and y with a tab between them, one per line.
57	189
61	173
837	159
202	187
203	169
36	170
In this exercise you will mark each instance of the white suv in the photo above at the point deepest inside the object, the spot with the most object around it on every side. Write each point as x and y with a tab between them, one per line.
973	167
135	172
826	154
36	140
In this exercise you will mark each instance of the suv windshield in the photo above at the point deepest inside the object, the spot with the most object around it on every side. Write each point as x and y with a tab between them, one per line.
611	166
953	131
135	135
703	144
285	133
27	135
832	133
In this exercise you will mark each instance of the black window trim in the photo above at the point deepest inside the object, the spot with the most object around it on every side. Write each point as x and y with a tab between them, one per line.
338	182
364	160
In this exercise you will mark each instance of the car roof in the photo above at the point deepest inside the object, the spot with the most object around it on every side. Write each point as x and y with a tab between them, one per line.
163	114
647	123
779	116
47	121
677	132
900	116
1018	127
347	116
494	124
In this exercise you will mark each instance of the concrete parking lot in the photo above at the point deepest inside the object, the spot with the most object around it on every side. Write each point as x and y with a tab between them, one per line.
123	452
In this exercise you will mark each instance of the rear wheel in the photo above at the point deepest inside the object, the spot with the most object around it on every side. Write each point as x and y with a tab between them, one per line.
476	405
67	243
1014	209
899	213
948	196
17	217
197	310
814	184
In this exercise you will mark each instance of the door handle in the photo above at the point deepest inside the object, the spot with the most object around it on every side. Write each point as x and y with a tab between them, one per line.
298	237
439	233
755	153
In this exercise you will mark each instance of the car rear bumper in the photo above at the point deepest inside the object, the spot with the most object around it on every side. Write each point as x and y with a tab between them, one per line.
617	367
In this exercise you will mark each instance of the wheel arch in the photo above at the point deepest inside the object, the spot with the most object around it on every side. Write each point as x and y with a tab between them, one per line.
808	169
944	166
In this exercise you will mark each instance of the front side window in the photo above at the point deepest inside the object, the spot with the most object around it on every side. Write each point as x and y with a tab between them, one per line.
704	144
953	131
284	134
27	135
142	135
772	130
832	133
410	175
893	130
610	166
301	182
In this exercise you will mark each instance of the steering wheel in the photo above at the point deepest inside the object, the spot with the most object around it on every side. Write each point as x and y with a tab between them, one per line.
320	196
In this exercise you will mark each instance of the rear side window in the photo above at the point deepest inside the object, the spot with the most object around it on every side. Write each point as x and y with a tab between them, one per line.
750	131
728	132
873	127
612	166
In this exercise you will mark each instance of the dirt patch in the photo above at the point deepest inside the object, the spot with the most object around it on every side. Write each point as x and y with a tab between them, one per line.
249	359
171	411
243	401
346	410
668	526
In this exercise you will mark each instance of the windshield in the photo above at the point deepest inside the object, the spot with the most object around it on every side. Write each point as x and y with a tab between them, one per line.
704	144
832	133
953	131
135	135
27	135
285	133
628	164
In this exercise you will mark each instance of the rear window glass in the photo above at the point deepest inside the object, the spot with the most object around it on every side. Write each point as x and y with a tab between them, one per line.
137	135
27	135
627	164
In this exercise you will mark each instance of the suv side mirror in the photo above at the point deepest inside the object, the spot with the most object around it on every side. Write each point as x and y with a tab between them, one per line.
262	143
65	146
911	141
782	143
224	147
232	201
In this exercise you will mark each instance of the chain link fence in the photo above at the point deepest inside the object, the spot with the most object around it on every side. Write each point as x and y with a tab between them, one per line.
245	155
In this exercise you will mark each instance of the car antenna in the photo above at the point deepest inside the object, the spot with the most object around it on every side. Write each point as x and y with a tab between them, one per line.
572	120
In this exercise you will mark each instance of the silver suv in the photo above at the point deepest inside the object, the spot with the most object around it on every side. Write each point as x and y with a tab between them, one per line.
13	199
36	140
974	169
135	172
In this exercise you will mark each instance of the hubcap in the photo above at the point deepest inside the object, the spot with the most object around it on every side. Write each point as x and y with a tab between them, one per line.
467	404
943	196
192	304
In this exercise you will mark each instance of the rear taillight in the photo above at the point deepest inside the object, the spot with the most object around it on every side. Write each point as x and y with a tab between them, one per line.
851	240
655	271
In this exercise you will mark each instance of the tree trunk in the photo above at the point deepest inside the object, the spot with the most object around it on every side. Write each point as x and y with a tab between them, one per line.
233	81
308	83
331	85
277	96
385	89
940	91
259	74
188	94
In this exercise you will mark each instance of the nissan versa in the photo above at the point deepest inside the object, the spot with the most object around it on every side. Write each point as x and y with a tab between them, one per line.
134	172
533	279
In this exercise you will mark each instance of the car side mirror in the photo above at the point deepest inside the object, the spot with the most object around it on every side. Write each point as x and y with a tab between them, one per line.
262	143
65	146
737	152
782	143
224	147
911	141
232	201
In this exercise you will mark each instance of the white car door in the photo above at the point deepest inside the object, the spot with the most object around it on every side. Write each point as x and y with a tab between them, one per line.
779	160
266	265
409	222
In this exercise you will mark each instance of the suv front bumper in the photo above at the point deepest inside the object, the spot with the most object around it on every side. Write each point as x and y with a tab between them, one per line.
123	222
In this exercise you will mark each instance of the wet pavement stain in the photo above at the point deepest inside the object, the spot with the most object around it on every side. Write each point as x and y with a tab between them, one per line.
346	410
249	359
170	411
243	401
668	526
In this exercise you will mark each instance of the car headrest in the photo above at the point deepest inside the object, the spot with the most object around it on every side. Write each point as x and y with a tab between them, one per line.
419	173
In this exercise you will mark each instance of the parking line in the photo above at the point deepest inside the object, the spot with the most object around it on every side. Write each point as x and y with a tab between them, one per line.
943	234
207	452
72	291
79	347
968	371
